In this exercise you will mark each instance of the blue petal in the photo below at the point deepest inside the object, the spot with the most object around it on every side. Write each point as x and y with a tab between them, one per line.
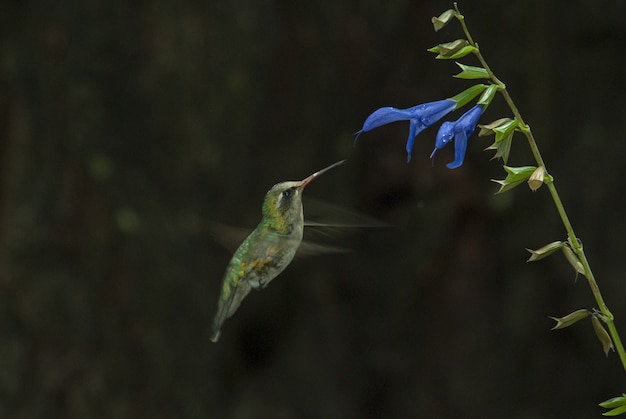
460	146
429	113
413	131
423	116
444	135
384	116
467	122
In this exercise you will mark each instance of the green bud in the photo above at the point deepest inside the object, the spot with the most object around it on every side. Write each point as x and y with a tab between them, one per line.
614	402
505	186
536	179
503	149
453	50
570	319
603	335
488	129
502	145
545	251
448	48
573	260
443	19
467	95
487	95
460	53
518	173
617	411
505	129
469	72
515	176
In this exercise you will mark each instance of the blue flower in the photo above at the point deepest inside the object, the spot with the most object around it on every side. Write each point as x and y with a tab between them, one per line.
420	117
459	131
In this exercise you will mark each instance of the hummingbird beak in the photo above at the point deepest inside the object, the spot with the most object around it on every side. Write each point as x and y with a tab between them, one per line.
319	173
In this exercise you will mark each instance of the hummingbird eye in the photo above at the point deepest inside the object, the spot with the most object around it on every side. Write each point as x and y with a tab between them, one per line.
287	192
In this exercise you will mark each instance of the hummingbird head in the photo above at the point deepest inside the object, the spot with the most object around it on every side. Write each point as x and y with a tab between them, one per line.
283	203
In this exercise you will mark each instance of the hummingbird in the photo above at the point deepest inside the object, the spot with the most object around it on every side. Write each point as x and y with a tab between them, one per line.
268	250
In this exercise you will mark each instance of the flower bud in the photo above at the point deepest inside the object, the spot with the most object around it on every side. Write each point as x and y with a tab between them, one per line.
544	251
573	260
570	319
488	129
536	179
603	335
443	19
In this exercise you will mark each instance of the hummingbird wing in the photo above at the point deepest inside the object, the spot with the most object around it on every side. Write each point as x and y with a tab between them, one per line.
324	214
324	222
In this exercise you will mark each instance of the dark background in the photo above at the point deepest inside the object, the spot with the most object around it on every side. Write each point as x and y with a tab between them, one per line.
127	127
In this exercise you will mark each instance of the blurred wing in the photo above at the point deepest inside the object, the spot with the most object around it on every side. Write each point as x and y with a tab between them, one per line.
330	222
227	236
319	213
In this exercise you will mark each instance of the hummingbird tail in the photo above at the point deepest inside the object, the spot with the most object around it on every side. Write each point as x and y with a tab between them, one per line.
215	334
227	307
216	330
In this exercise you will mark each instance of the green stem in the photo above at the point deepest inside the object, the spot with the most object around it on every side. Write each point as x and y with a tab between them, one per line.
573	240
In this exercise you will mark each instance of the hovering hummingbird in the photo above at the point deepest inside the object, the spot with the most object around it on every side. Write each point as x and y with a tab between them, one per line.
268	250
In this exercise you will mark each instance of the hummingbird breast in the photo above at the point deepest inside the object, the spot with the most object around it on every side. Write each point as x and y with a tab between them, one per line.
268	255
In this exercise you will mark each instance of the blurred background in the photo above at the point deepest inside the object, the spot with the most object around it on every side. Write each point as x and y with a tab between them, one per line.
128	127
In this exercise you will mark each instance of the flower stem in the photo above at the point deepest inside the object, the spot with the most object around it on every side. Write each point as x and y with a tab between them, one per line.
573	240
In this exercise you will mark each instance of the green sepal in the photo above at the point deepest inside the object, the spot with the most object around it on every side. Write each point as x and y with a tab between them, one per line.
570	319
506	186
469	72
467	95
515	176
487	95
448	48
503	149
544	251
488	129
443	19
506	129
614	402
518	174
459	54
616	411
603	336
573	260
